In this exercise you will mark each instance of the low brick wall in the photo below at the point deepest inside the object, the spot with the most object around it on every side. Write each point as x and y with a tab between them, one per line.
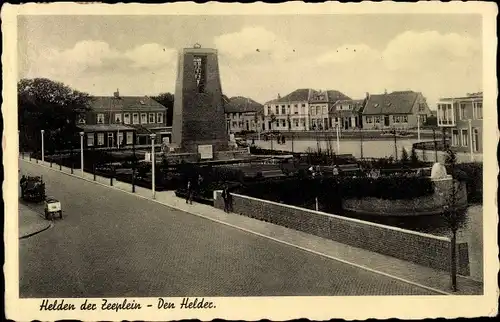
423	249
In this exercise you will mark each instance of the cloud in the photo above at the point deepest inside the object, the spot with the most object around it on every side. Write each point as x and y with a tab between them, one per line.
414	51
252	41
89	55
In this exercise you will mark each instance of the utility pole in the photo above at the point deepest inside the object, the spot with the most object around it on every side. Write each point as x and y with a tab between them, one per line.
395	145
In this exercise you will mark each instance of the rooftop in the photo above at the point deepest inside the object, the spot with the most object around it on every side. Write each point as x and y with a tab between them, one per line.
240	104
124	102
399	102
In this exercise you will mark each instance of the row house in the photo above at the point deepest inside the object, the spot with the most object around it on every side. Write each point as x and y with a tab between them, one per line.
243	114
464	117
347	114
396	110
301	110
115	121
320	106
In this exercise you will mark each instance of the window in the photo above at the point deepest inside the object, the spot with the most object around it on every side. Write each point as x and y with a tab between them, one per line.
465	138
118	118
296	121
318	110
235	124
369	119
295	109
100	118
135	118
477	108
377	119
159	118
454	138
303	105
100	138
81	119
283	111
126	118
283	123
475	140
144	118
90	139
152	118
396	119
404	118
463	111
303	121
269	110
421	107
130	137
277	108
325	110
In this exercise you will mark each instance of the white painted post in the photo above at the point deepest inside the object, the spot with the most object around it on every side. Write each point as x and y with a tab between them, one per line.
338	140
43	147
317	204
153	179
81	152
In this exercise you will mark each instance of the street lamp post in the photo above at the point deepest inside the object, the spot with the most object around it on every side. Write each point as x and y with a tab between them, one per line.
81	152
153	161
418	127
43	147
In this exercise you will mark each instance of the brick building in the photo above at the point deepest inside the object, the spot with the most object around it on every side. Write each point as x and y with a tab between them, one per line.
463	116
115	121
399	110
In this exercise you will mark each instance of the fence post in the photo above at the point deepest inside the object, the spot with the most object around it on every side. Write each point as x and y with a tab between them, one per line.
112	175
29	155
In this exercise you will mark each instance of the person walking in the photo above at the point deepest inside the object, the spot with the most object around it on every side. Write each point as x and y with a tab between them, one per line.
189	196
225	197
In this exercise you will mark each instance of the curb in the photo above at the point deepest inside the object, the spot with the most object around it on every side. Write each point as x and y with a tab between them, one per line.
49	225
441	292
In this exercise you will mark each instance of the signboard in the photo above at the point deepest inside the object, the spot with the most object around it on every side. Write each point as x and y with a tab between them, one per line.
147	157
206	151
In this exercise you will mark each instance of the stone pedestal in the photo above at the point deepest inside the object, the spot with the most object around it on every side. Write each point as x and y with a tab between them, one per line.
198	117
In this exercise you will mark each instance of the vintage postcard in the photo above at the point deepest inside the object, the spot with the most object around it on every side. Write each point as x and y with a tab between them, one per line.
245	162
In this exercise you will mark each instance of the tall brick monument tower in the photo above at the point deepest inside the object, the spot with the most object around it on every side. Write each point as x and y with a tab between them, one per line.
199	121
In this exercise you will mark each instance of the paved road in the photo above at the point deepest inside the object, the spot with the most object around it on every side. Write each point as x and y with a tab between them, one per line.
111	244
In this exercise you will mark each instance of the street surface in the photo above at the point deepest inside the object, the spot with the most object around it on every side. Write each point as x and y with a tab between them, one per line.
112	244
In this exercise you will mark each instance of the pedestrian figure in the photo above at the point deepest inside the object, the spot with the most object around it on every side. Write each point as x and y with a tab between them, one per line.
225	197
283	139
189	197
335	170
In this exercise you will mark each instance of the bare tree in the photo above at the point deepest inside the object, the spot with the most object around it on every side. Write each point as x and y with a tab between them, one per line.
454	215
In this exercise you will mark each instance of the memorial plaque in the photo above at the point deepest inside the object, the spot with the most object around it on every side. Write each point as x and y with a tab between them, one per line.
206	151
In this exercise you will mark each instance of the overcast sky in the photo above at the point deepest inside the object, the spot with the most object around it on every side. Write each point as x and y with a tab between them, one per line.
439	55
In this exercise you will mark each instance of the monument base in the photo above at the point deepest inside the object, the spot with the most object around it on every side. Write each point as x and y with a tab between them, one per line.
177	156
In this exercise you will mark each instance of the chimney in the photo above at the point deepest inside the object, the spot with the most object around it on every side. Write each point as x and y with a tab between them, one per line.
279	96
385	91
117	93
367	95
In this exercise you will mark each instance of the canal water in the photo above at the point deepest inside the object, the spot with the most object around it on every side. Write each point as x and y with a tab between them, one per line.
371	149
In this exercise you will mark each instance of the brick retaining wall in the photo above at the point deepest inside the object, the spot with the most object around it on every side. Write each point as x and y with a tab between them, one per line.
424	249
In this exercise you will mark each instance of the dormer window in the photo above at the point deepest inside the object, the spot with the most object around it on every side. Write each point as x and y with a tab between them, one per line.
142	102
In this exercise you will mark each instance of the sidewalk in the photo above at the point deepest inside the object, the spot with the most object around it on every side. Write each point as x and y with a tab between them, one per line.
438	281
31	222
